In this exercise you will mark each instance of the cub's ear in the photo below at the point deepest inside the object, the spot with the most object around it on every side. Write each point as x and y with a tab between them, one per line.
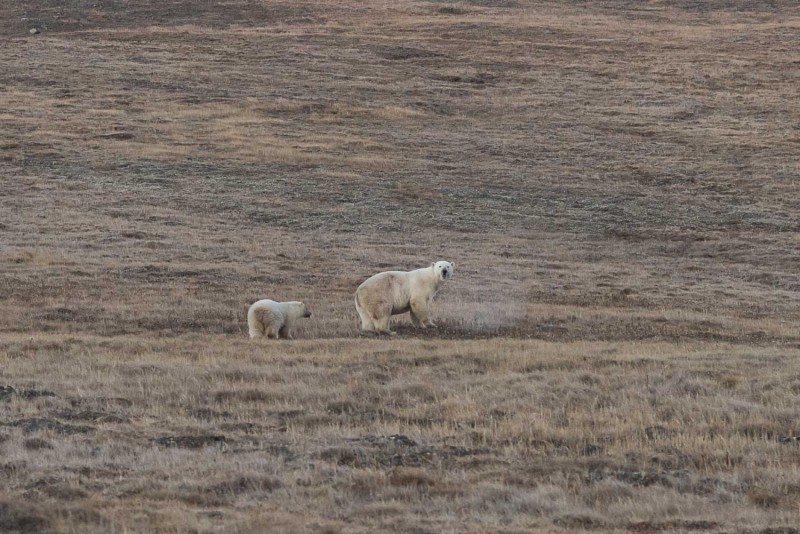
433	263
453	264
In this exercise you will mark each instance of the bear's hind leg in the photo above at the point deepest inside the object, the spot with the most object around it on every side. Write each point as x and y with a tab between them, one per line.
256	329
366	322
274	331
382	325
255	324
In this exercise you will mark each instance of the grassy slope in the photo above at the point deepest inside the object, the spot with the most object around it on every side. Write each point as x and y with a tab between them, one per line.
616	183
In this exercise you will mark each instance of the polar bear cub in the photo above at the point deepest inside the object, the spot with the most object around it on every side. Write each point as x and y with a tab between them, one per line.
267	318
393	292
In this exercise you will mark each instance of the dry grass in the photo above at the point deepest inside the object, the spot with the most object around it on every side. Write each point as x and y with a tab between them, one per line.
398	434
617	184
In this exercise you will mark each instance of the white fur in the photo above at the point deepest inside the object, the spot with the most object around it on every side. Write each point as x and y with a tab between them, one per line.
394	292
267	318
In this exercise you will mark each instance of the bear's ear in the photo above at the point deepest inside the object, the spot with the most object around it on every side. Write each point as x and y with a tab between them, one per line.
453	264
433	264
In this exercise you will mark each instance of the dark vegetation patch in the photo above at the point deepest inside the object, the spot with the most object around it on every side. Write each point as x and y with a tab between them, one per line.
450	10
192	442
120	402
645	527
398	450
56	488
67	315
245	484
579	521
6	392
92	416
23	518
597	329
35	444
402	53
54	16
162	274
36	424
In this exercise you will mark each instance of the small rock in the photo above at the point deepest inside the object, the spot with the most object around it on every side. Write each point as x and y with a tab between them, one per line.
33	31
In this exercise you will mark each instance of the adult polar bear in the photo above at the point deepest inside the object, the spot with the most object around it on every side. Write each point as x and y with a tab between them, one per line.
393	292
274	319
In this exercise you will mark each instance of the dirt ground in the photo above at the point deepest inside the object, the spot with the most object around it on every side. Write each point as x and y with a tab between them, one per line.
616	182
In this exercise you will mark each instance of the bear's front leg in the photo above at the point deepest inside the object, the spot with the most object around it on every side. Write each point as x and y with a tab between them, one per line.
420	315
428	307
286	332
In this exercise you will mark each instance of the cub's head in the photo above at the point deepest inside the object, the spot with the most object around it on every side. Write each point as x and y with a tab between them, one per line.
444	269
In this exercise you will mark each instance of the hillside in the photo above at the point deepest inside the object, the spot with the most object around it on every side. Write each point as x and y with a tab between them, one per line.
616	181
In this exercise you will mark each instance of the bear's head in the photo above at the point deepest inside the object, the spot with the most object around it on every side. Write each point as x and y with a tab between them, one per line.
444	269
299	309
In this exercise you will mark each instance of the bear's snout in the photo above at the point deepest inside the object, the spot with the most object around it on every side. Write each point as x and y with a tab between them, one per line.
307	314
